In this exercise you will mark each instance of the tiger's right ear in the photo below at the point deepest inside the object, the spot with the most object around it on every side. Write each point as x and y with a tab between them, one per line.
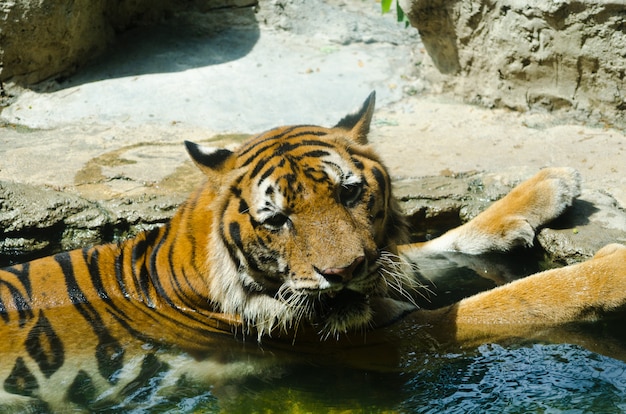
210	160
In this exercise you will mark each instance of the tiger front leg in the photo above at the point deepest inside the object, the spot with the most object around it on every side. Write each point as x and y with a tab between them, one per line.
584	292
513	220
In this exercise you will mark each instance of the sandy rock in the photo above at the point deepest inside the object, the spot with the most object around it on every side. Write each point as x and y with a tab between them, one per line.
525	55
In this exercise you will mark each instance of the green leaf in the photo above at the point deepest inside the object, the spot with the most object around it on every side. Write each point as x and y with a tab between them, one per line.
401	16
385	5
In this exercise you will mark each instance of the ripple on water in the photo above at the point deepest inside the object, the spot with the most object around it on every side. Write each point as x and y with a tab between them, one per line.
540	378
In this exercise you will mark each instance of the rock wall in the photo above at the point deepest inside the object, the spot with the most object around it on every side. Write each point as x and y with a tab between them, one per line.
529	54
44	38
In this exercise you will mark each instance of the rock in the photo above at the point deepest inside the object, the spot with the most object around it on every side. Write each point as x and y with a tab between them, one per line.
594	221
525	55
36	221
40	39
438	203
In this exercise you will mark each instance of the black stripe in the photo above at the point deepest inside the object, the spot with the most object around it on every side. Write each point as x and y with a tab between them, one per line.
317	175
154	273
21	304
21	381
109	353
231	251
141	275
267	173
256	143
284	146
45	347
144	274
92	260
82	391
272	134
358	164
306	132
371	203
256	155
138	388
178	288
315	154
155	277
243	206
381	180
199	261
312	142
234	232
119	273
22	272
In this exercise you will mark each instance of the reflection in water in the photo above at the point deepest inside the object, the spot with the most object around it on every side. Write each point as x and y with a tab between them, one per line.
493	378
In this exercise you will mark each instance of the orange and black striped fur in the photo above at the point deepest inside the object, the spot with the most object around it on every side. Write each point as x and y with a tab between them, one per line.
296	233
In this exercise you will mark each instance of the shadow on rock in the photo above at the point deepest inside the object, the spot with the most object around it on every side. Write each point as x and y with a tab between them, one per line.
577	215
183	42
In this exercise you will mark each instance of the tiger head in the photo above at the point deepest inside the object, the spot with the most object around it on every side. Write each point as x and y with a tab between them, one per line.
304	228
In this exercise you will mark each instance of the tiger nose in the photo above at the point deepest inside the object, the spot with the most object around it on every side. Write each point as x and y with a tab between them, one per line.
342	274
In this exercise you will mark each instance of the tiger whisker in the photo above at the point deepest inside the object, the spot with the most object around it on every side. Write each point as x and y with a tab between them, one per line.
399	273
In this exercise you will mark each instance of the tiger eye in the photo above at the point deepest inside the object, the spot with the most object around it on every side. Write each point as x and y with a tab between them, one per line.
276	221
350	194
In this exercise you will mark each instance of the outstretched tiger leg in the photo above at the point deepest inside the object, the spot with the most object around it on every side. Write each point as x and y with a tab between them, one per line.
513	220
583	292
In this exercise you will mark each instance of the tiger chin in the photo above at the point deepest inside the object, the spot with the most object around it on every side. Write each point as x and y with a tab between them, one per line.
304	230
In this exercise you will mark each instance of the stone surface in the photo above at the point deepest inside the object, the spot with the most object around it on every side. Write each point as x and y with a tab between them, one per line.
44	38
529	54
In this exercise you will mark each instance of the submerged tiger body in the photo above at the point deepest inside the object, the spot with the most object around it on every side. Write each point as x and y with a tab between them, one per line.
295	235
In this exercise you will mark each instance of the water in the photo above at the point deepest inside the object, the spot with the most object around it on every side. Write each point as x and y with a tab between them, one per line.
537	378
514	377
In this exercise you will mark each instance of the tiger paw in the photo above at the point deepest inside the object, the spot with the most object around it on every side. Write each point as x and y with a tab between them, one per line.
513	220
545	196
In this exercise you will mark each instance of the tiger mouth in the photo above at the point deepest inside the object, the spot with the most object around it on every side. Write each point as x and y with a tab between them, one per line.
343	297
344	304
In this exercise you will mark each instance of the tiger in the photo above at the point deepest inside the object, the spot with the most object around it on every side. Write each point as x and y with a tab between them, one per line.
294	239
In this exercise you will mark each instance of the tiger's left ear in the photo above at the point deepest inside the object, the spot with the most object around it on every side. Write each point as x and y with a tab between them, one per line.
210	160
358	124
